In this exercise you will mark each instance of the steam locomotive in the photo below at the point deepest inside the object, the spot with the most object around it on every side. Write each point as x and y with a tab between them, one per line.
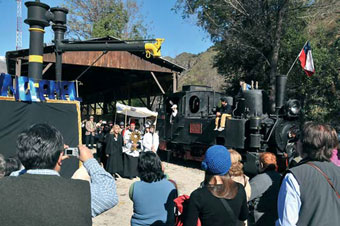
255	126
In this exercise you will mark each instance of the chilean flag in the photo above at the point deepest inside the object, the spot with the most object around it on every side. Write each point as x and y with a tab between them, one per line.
306	60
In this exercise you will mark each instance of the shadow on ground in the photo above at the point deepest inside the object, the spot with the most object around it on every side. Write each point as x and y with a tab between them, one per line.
178	161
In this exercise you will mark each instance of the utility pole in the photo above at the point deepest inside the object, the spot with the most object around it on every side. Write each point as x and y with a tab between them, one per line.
18	42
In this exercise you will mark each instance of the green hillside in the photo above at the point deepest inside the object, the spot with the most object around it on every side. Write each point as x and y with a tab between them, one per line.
200	70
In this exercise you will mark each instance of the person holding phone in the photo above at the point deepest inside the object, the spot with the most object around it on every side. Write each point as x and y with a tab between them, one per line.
40	196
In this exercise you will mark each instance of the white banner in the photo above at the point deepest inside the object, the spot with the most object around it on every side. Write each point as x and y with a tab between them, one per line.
139	112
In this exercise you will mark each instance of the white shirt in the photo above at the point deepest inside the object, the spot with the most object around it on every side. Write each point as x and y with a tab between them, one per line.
150	141
174	112
147	141
127	135
155	141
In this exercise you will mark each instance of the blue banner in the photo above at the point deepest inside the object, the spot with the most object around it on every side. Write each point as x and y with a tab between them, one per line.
28	89
6	84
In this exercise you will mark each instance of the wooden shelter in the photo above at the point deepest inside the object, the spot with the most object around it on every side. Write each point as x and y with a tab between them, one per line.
105	77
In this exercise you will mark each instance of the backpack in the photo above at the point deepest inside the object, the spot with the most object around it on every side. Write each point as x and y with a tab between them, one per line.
181	204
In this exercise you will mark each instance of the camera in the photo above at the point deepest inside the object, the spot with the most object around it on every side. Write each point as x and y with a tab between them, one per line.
74	151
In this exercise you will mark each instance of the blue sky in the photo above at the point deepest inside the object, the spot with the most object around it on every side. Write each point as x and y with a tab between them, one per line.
180	35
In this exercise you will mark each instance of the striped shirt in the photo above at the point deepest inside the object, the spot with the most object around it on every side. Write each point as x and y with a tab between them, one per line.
102	186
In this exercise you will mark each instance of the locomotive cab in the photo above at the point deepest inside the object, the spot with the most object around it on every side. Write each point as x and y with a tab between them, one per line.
190	132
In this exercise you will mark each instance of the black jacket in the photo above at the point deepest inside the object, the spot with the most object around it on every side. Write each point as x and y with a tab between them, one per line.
225	109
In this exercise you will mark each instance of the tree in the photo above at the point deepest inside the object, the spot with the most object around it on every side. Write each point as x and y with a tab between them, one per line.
247	35
258	39
321	92
99	18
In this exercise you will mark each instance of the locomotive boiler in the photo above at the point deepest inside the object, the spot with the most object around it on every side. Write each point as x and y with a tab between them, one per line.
256	124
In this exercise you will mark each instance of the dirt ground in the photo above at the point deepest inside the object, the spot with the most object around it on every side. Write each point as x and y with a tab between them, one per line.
187	176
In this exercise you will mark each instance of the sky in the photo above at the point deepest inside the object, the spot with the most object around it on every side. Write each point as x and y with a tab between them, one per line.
180	35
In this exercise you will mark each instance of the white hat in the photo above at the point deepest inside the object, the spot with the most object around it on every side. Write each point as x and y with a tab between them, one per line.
174	106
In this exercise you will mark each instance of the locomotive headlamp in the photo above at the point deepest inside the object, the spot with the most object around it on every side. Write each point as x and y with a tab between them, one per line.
293	108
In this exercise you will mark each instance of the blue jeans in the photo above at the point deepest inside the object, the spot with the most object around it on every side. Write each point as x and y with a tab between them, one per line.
91	139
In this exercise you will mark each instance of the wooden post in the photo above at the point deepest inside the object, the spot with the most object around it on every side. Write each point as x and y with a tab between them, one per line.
156	80
174	82
141	100
154	98
91	109
18	67
148	102
77	88
115	112
114	109
105	110
129	93
17	70
46	68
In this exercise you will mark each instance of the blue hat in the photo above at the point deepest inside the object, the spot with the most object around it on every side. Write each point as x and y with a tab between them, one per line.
217	160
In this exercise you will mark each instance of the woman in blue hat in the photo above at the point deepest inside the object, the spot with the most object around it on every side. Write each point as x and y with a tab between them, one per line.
220	201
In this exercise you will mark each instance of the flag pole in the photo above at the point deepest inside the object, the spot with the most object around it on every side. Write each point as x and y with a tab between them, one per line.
291	67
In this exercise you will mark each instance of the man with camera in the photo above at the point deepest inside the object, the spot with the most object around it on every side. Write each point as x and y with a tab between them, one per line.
41	197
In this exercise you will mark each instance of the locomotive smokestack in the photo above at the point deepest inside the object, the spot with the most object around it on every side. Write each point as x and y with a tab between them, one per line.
59	28
36	18
281	81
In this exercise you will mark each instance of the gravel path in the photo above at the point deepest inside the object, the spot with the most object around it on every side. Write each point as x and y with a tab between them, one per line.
187	179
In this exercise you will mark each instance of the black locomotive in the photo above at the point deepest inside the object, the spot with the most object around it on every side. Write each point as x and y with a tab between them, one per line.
255	126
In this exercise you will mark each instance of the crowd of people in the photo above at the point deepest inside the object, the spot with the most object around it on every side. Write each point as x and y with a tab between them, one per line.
306	194
117	147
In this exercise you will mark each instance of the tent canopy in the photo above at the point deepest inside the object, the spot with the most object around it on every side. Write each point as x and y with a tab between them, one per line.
139	112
